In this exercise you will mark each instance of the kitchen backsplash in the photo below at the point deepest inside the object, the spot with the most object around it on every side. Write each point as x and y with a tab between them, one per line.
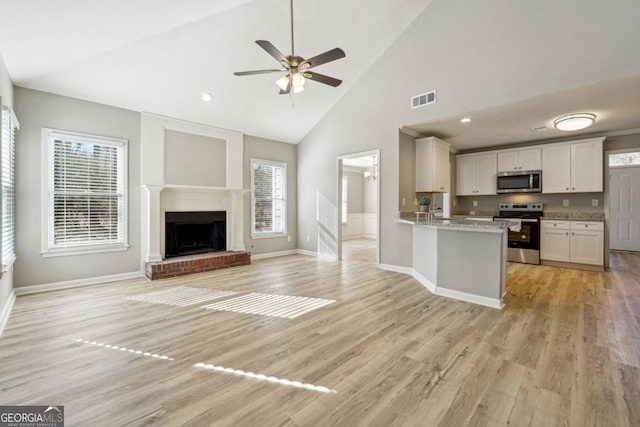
578	202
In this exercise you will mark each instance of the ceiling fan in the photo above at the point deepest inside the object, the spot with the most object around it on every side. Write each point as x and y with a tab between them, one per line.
296	67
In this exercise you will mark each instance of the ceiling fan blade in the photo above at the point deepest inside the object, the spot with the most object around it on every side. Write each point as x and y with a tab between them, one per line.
287	90
321	78
251	73
271	50
323	58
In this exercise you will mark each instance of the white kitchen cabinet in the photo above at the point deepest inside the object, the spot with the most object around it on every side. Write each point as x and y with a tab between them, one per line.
515	160
432	165
476	174
580	242
574	167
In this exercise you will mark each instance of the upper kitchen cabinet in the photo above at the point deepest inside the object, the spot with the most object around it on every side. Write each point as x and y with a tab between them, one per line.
476	174
519	160
432	165
574	167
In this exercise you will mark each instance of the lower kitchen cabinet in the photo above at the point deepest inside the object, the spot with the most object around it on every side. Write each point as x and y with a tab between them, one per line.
579	242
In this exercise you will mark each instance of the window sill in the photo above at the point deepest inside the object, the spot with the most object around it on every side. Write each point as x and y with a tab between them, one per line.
7	267
268	235
82	250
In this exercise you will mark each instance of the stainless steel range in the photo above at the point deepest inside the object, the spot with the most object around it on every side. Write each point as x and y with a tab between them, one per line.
524	230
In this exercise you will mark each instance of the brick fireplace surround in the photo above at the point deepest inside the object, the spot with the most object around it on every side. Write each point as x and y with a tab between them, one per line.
190	264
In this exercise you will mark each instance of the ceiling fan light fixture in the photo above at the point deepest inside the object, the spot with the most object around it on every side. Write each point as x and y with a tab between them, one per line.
283	82
298	80
298	89
576	121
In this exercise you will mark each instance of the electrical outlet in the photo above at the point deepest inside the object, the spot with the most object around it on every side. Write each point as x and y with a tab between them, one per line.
404	201
288	238
475	203
594	202
455	203
308	239
415	202
565	202
472	212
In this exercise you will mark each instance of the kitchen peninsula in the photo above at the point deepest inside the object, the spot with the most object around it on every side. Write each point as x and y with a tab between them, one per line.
461	259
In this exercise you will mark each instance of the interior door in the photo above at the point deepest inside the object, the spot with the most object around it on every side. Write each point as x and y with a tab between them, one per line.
624	208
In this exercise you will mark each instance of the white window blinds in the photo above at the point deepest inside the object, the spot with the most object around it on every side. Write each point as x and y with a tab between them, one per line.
7	176
86	191
269	203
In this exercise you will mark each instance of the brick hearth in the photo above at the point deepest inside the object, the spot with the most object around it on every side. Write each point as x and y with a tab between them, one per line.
191	264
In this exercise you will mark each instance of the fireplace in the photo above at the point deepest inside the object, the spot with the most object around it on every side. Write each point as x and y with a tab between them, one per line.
189	233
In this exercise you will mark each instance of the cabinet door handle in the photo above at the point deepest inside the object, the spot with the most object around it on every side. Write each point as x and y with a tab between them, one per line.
573	188
567	188
573	234
566	234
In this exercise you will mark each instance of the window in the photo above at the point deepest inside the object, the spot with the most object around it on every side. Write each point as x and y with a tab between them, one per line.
345	192
85	194
268	198
7	178
624	159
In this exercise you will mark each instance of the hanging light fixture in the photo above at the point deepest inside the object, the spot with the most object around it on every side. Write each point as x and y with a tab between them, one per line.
297	81
373	173
575	121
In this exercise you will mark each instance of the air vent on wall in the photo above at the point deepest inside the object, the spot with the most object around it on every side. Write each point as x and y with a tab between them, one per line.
423	99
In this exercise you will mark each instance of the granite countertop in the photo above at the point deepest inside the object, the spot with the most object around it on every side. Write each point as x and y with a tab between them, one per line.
459	224
574	216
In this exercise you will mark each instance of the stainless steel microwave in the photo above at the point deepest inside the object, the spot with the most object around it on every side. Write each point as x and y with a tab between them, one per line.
519	182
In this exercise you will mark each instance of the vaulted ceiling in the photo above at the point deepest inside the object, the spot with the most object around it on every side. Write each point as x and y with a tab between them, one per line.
158	56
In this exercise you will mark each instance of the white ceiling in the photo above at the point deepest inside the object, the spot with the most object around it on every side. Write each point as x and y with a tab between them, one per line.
159	55
615	104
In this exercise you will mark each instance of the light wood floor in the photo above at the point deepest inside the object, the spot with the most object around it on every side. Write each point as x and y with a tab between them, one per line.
564	351
360	250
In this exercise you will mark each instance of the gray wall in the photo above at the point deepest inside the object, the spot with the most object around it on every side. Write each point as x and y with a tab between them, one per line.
6	99
266	149
515	58
36	110
194	160
355	192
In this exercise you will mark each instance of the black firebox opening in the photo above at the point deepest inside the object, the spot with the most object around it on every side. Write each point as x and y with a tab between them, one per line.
189	233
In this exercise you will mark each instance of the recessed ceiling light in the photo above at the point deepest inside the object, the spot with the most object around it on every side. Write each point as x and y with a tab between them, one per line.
206	96
575	121
465	120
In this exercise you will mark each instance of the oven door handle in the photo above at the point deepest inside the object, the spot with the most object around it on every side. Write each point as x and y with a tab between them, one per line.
529	220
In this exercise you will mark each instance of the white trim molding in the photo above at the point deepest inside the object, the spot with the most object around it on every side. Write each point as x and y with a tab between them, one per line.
27	290
273	254
307	253
6	311
444	292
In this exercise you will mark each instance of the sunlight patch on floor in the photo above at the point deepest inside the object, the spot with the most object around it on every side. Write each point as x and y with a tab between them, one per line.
124	349
285	306
262	377
181	296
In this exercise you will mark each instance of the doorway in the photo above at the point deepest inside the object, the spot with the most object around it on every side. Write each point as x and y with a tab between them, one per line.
359	207
624	200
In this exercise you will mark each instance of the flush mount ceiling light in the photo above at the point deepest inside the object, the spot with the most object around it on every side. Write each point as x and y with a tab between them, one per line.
206	96
466	119
575	121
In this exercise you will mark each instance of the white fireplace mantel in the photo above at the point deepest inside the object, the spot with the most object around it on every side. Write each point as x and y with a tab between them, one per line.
159	197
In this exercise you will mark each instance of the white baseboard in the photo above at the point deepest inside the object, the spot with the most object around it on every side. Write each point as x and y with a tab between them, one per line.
425	282
475	299
26	290
307	253
396	269
448	293
6	311
273	254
